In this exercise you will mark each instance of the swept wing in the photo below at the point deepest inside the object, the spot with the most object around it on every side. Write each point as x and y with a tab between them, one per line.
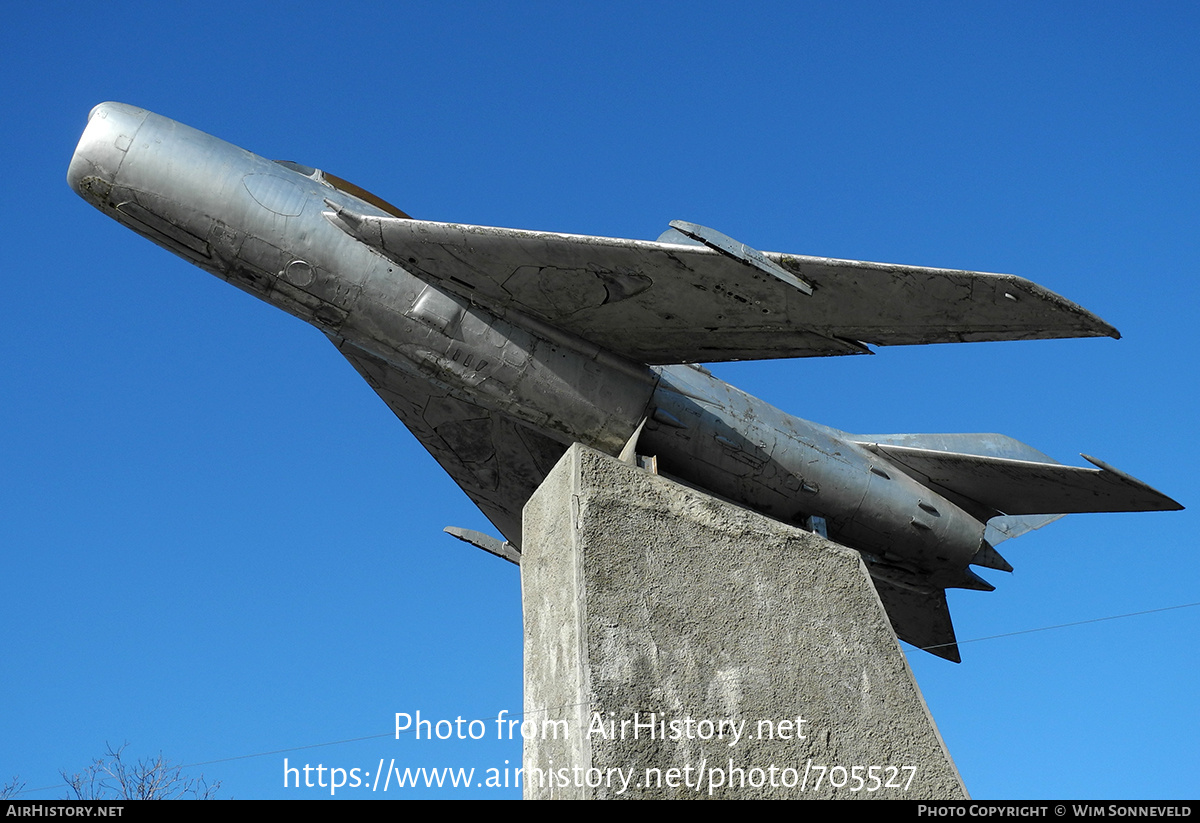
497	461
662	303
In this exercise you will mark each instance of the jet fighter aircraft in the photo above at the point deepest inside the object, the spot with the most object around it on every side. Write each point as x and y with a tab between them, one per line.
498	348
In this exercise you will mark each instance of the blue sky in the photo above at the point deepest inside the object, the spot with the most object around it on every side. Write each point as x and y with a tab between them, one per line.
218	541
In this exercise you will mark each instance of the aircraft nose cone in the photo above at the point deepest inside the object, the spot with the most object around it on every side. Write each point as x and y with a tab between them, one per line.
110	131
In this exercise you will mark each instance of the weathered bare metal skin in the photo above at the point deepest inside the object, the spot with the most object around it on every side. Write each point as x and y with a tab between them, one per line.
498	348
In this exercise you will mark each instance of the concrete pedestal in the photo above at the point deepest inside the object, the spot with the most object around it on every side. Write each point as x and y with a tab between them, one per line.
678	646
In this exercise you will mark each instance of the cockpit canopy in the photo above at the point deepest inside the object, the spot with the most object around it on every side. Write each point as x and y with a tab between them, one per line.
335	182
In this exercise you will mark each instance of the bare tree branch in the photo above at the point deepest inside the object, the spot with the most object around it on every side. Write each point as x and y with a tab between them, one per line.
112	778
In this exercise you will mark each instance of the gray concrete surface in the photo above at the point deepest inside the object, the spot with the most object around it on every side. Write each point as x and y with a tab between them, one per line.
677	646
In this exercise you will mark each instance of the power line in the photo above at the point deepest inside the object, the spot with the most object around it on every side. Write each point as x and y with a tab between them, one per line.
1059	626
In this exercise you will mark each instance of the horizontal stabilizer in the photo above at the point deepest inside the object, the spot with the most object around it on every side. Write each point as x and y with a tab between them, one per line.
999	527
1007	527
1025	487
